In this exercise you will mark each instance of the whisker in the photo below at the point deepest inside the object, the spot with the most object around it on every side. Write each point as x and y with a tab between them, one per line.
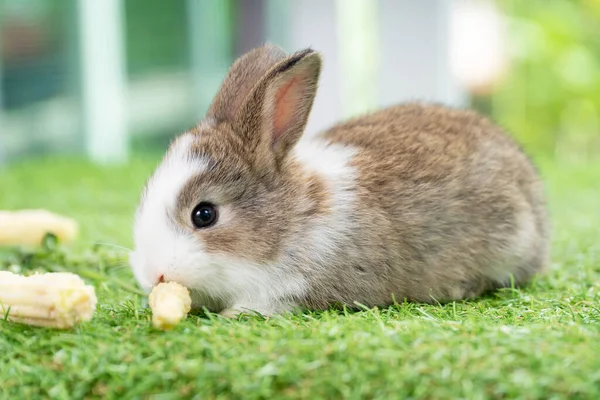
123	273
118	268
113	245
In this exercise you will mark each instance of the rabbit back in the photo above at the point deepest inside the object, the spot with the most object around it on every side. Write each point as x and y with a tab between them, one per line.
448	207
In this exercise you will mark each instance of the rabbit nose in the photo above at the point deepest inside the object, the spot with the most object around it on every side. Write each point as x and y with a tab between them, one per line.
161	279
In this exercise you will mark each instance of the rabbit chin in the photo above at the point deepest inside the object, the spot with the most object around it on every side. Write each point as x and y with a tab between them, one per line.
218	281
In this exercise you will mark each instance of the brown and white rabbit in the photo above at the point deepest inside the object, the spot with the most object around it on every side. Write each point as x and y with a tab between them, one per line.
416	202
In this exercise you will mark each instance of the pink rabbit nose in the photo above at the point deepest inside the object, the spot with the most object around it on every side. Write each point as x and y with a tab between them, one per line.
161	279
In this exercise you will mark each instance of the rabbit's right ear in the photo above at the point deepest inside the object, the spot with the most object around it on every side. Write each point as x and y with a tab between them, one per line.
243	75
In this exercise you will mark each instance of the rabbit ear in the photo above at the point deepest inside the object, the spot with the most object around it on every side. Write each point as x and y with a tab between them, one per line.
243	75
277	111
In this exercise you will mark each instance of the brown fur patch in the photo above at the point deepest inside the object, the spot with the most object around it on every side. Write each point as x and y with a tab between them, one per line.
318	196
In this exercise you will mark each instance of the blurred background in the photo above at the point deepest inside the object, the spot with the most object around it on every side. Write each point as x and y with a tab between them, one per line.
106	79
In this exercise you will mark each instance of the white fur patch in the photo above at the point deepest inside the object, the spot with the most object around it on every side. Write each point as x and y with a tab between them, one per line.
156	241
331	162
224	281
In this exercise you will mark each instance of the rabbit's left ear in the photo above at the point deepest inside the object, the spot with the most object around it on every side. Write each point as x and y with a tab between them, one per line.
278	109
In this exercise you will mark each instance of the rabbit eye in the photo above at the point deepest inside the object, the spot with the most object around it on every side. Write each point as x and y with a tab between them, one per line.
204	215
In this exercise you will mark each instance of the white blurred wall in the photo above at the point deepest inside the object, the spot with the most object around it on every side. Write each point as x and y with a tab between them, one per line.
313	25
413	54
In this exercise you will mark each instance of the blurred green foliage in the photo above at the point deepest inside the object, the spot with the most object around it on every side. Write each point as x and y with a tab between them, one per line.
156	36
550	97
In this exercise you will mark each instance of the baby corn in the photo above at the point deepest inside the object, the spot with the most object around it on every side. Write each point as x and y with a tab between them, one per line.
170	302
55	300
29	227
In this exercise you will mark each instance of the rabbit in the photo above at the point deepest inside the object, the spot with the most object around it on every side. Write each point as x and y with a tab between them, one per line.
416	202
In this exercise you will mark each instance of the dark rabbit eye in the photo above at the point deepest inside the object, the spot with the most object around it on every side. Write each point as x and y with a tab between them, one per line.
204	215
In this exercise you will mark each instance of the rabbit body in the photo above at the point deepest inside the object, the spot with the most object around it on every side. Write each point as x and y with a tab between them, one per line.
447	207
417	202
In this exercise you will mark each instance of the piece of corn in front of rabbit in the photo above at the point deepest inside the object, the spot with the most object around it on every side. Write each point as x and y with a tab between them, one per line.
29	227
170	303
55	300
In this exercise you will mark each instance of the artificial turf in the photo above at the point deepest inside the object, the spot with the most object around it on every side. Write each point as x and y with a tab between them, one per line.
538	342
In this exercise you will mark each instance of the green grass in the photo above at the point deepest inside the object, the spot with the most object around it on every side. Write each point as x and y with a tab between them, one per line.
542	341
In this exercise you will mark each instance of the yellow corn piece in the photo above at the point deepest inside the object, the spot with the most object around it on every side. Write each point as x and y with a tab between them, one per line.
29	227
55	300
170	303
